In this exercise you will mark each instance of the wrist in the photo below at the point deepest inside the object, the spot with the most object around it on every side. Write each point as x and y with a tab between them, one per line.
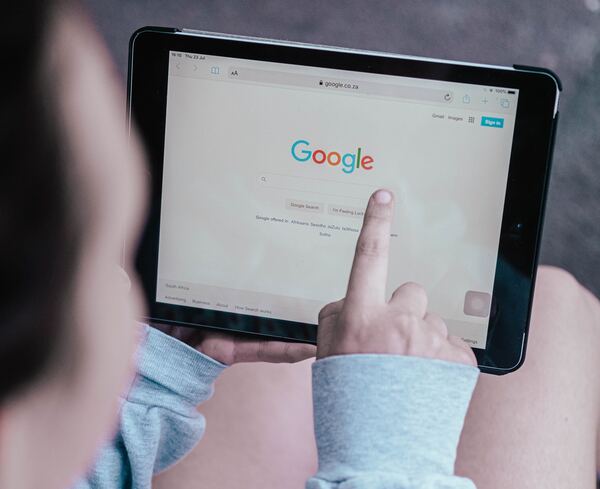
221	351
390	412
165	362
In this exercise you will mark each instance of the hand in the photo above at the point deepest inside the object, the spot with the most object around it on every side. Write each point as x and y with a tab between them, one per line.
365	322
229	349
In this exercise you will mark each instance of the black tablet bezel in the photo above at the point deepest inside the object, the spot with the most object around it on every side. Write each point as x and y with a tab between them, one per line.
525	196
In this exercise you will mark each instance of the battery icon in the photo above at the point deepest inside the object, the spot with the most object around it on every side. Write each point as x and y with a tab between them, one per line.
512	92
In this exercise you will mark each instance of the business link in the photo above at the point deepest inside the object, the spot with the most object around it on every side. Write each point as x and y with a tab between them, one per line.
338	84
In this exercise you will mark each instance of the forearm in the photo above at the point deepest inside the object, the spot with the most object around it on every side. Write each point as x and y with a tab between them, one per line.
389	421
159	422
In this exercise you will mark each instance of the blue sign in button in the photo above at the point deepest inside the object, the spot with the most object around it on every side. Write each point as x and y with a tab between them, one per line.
492	121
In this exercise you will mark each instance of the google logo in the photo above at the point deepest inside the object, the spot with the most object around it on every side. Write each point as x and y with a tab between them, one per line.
349	161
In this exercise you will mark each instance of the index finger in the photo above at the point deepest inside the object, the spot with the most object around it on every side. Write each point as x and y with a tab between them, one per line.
370	266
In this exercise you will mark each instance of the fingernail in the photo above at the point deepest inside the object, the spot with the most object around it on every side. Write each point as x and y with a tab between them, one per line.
383	197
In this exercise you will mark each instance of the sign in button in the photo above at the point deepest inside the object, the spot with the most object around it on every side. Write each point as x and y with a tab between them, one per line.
492	121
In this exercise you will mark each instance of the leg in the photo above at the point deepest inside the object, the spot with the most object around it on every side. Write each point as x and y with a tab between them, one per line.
538	427
259	432
533	428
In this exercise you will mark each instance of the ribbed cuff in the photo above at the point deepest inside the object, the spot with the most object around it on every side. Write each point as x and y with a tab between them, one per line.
165	363
389	413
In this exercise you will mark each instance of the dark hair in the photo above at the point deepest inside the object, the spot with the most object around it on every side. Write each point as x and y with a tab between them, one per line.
38	228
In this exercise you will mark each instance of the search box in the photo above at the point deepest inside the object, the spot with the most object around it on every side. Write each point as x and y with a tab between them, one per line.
318	186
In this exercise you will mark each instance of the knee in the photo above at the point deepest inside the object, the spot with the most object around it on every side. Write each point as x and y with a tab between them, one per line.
557	283
560	298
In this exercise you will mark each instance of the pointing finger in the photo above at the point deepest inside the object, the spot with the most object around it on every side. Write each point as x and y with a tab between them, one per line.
370	267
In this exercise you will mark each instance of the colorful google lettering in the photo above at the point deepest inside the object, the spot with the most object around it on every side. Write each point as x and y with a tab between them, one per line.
349	162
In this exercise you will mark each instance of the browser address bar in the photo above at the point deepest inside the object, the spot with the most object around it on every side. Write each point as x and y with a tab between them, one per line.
340	84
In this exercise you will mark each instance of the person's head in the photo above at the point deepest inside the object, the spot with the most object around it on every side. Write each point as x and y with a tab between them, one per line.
71	192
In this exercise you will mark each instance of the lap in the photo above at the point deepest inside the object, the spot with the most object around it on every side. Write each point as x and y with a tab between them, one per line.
536	427
259	432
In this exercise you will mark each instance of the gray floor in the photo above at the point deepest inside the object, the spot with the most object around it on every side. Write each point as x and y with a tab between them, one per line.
561	34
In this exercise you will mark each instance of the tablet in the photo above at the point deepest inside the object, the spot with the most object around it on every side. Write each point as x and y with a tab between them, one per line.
263	155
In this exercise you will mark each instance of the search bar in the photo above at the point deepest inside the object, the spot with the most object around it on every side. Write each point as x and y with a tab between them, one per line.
318	186
344	85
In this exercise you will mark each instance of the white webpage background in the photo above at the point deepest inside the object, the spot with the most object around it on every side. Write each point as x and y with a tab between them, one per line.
450	180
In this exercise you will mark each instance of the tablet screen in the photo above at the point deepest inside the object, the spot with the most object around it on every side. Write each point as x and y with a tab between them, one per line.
268	168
